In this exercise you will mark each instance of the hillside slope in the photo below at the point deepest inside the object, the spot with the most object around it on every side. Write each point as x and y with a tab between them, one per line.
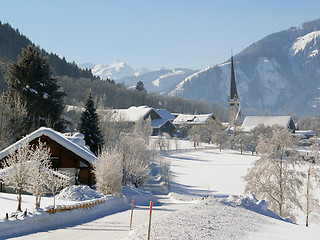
280	73
12	42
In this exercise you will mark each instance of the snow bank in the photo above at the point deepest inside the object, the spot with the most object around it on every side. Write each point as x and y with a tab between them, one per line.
41	221
140	196
207	219
78	193
252	204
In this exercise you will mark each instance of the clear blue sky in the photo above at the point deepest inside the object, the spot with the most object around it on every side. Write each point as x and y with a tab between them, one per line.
149	33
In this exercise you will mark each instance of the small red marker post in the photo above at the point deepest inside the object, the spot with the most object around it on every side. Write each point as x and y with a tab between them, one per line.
131	214
149	230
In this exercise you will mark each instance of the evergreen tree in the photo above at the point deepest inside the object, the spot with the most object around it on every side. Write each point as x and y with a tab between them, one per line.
89	126
140	87
30	79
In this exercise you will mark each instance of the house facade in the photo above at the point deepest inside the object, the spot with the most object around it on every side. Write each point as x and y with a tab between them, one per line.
68	154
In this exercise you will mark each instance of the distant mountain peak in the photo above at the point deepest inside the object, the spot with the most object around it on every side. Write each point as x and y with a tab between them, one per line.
116	70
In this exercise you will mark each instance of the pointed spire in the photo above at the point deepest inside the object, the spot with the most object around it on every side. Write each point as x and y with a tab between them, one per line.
233	86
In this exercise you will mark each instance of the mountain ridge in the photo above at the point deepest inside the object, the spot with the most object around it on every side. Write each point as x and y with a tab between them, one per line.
271	74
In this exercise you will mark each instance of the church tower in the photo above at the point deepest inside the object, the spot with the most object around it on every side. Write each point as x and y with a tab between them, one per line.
233	99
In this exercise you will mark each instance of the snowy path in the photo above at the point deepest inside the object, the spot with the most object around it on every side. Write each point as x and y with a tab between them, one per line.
196	173
114	226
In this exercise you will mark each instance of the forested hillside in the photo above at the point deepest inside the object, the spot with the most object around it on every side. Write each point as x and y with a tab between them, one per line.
12	42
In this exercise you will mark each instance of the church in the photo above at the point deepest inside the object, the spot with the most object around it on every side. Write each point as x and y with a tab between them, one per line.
249	120
234	109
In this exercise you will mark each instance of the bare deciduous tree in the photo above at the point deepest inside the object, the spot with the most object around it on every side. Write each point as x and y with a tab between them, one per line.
312	174
17	170
220	138
39	165
274	177
241	141
56	180
143	129
13	118
196	135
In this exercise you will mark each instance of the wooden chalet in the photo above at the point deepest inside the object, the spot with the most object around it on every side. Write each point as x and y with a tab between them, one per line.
68	153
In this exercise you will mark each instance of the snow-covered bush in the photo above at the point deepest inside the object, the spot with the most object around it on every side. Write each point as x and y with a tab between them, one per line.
135	160
108	172
165	165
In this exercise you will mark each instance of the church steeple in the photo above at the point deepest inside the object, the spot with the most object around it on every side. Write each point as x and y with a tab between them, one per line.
233	99
233	86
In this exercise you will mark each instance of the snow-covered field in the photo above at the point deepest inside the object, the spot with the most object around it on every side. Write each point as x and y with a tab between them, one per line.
198	206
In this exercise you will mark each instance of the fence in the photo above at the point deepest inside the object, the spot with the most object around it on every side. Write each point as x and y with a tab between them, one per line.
84	206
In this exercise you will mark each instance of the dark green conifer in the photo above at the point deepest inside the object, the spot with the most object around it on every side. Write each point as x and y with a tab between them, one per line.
30	78
89	126
140	87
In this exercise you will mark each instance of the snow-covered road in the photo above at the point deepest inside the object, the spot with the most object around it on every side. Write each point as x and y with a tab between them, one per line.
115	226
183	214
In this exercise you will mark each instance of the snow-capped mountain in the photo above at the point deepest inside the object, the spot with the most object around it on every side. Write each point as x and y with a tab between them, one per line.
114	71
141	71
160	81
280	73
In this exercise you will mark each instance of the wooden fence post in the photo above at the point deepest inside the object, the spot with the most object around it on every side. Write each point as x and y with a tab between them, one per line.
131	214
149	230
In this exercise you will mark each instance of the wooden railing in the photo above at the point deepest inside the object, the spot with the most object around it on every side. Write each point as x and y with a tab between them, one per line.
84	206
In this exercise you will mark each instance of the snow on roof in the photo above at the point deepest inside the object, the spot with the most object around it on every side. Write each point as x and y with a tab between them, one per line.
60	138
131	114
251	122
165	114
192	119
158	123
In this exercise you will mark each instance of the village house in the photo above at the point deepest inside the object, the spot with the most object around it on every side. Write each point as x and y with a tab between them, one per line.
133	114
190	120
68	153
251	122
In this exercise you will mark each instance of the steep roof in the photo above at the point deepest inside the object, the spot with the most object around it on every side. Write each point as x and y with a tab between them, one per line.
165	114
233	86
251	122
69	143
132	114
158	123
193	119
